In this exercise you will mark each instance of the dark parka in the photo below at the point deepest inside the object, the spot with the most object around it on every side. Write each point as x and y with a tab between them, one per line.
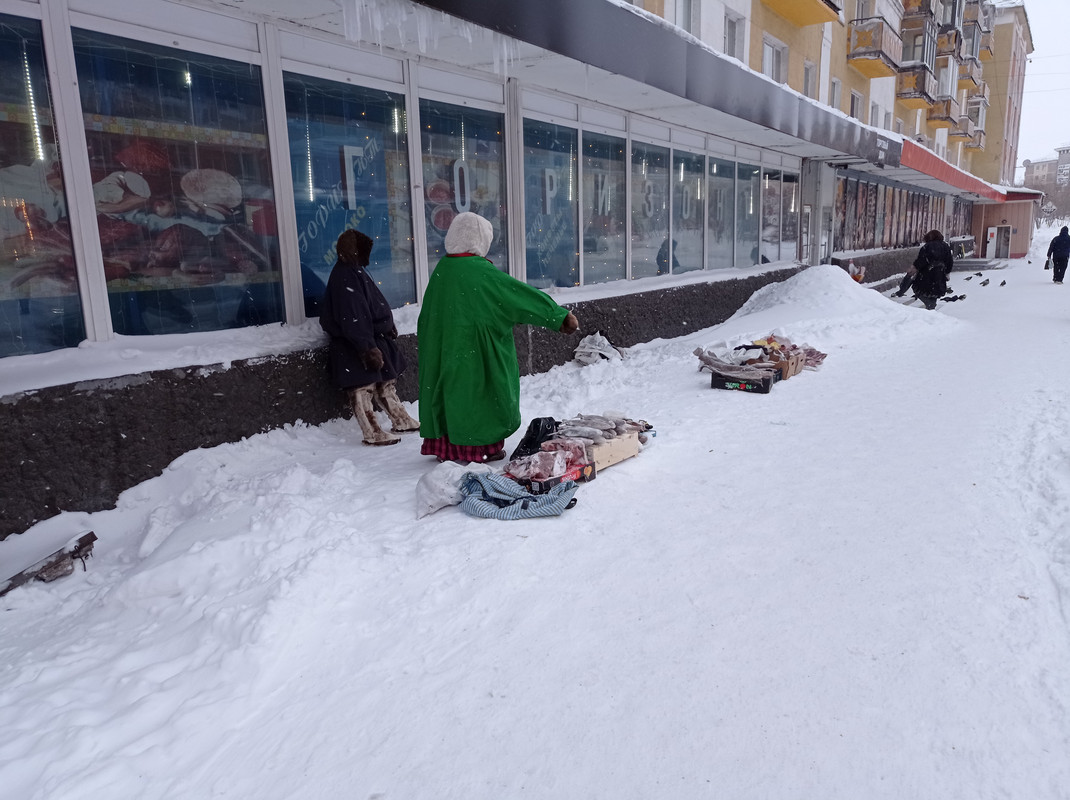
934	263
1059	249
358	318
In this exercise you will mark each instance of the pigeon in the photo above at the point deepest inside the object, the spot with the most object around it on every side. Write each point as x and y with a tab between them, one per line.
969	277
984	282
1004	283
978	274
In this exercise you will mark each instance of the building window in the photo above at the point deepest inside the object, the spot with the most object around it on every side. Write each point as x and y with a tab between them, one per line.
899	126
650	207
734	28
350	165
863	9
857	105
721	213
185	204
40	309
688	220
771	210
835	89
685	15
605	208
874	115
463	170
774	60
887	120
748	216
551	204
810	79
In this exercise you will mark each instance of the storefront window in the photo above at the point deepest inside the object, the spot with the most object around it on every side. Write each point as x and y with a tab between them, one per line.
604	208
463	170
40	308
721	215
650	210
551	204
687	214
178	152
789	218
748	195
350	165
770	215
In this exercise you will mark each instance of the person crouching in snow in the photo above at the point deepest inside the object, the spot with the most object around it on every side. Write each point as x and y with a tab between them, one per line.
469	374
363	357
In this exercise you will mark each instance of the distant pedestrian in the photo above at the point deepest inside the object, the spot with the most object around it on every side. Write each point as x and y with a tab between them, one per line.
1059	253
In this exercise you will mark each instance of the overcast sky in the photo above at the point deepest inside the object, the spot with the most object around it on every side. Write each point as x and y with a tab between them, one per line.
1046	107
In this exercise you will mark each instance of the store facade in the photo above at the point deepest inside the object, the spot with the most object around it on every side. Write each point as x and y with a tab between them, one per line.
183	167
186	170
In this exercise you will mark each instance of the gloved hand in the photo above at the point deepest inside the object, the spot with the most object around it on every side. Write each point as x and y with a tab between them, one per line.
372	359
571	324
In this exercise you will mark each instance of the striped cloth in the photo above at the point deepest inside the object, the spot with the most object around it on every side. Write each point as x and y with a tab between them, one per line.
493	496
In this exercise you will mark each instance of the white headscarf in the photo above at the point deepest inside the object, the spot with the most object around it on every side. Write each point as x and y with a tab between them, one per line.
469	233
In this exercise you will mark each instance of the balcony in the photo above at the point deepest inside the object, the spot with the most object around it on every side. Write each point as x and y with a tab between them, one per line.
801	13
949	43
874	48
962	131
944	113
970	74
917	8
988	40
979	11
980	92
977	142
915	87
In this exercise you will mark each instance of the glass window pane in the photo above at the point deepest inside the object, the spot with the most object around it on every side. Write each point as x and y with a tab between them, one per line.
688	171
721	216
770	215
178	152
464	170
551	204
40	309
650	209
604	208
789	218
350	165
748	192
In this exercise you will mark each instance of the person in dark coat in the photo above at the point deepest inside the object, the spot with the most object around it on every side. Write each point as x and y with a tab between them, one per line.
364	358
932	266
1059	253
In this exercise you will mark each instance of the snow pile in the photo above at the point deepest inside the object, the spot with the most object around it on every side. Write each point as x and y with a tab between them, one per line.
849	587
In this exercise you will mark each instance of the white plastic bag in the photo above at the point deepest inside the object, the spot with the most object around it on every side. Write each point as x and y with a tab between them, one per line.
441	486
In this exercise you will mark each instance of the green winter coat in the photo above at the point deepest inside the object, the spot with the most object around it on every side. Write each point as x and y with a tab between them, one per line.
468	370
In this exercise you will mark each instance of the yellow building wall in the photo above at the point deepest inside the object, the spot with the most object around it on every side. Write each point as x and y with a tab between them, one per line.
987	163
804	44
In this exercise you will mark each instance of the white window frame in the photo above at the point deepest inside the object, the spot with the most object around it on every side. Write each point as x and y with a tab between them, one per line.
774	59
835	93
857	104
809	86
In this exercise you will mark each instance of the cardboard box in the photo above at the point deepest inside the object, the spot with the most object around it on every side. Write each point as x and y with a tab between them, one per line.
798	361
578	473
762	385
615	450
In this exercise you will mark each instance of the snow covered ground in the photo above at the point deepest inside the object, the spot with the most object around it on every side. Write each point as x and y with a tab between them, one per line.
853	587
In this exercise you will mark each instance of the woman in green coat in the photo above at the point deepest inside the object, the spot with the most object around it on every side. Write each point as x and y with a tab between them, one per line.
469	375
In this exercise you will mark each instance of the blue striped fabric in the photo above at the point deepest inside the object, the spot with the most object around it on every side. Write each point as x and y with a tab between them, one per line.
493	496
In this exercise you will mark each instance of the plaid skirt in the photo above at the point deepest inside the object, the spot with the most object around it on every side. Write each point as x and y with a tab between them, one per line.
445	450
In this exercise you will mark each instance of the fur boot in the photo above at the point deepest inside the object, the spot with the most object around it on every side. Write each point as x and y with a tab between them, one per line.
386	393
364	411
